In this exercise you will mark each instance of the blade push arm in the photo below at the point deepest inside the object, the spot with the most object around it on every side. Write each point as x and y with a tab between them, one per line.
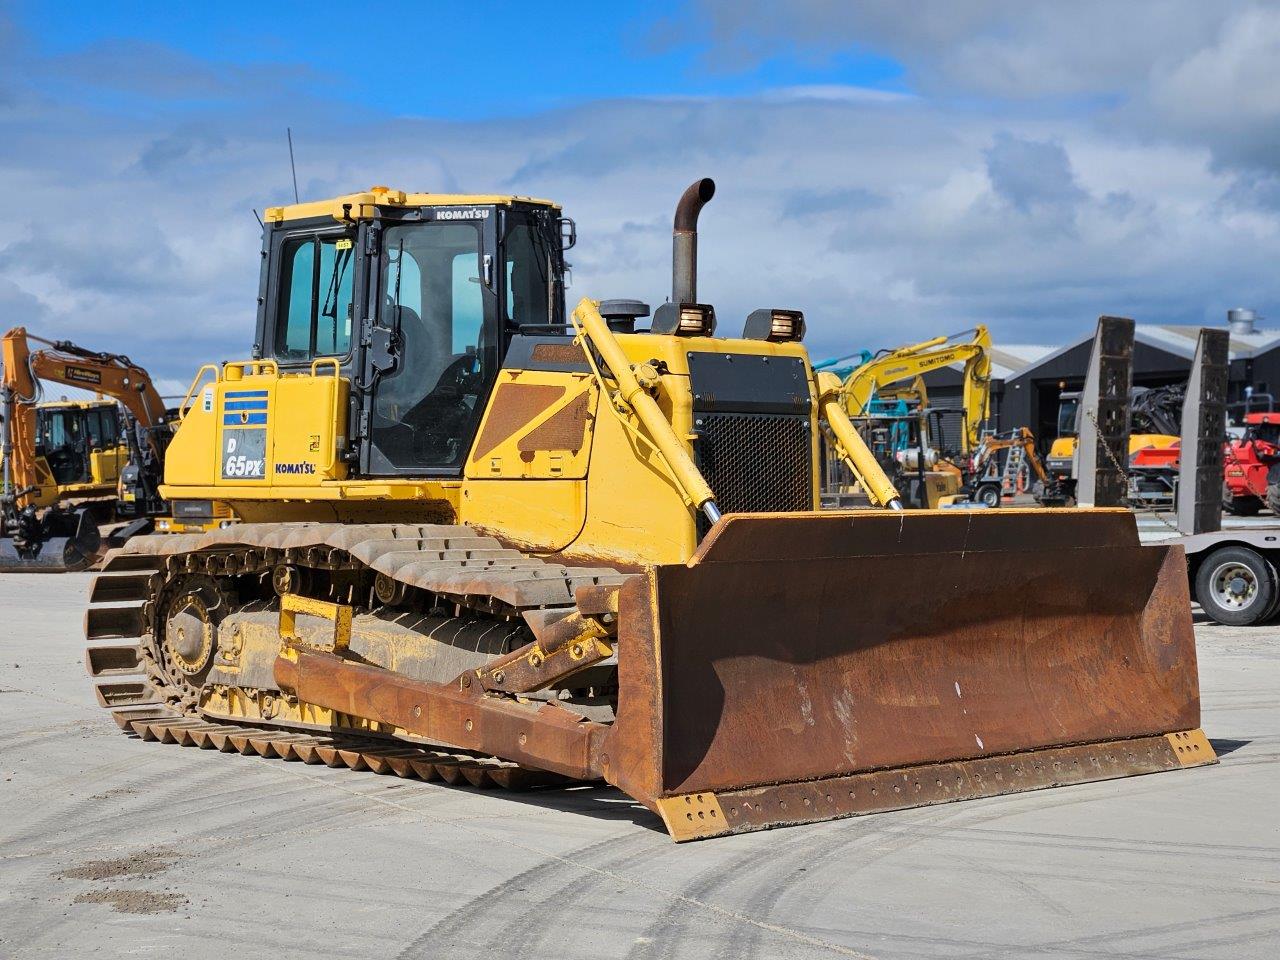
632	394
860	461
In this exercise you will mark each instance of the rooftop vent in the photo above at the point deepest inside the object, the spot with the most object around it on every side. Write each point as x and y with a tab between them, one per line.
1242	321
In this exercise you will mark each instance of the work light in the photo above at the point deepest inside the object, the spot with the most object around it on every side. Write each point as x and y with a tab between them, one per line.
685	319
774	325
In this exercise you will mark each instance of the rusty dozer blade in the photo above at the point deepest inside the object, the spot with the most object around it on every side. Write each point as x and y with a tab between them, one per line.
810	666
803	667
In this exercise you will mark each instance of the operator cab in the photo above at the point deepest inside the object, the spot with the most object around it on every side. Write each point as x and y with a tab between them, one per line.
1069	414
1263	427
414	298
67	434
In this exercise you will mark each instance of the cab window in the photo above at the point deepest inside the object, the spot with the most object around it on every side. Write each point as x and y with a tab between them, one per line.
1067	413
427	408
527	274
315	314
93	427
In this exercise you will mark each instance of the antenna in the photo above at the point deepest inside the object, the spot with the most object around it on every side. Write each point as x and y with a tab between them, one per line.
292	167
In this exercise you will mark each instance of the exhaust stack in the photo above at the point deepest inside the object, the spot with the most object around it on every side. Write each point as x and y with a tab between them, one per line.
684	240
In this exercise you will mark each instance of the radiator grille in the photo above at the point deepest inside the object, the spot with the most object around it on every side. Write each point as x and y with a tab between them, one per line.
756	462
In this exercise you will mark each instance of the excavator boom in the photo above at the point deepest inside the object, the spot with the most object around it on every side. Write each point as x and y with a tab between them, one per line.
865	382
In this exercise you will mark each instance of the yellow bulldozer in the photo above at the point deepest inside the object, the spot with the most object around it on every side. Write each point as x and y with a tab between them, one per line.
483	539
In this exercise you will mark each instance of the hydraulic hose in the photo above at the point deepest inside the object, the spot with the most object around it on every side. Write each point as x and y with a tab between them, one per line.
630	391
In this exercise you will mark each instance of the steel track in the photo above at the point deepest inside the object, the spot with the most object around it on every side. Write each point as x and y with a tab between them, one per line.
472	572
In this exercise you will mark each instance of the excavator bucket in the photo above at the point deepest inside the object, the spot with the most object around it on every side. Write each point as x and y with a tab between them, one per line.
61	541
807	667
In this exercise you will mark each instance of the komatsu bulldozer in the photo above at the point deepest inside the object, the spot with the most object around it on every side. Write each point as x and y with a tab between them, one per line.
480	539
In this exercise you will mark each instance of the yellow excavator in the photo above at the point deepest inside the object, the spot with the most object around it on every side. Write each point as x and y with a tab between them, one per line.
481	539
68	465
1058	461
81	450
902	435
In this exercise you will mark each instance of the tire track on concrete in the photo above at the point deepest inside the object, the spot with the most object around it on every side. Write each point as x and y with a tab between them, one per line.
1109	944
712	910
511	917
871	846
768	875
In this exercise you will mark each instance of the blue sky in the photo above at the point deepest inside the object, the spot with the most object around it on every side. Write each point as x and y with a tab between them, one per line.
895	168
456	60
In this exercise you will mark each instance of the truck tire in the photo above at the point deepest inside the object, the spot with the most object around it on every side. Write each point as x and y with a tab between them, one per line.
1236	586
1243	505
988	494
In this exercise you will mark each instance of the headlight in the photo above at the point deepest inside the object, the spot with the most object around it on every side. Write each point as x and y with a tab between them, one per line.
774	325
685	319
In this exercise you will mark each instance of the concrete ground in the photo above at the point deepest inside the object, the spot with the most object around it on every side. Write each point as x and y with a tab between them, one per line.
112	847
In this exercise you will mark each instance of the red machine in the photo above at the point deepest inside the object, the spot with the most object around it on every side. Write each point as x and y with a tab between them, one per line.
1251	467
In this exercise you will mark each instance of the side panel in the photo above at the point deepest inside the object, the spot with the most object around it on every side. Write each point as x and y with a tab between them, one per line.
538	427
261	431
192	457
308	430
244	426
105	465
525	475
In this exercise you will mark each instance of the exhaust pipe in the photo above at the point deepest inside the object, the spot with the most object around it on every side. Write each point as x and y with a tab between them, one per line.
684	240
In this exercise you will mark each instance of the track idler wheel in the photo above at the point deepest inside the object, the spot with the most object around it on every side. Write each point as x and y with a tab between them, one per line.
192	611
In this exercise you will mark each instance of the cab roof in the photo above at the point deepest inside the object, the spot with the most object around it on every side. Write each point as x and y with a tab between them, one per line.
66	404
362	205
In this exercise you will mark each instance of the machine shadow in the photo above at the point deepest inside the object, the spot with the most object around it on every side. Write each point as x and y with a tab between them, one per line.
1224	747
597	800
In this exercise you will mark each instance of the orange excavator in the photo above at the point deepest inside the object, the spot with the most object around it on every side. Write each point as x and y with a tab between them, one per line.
61	461
988	489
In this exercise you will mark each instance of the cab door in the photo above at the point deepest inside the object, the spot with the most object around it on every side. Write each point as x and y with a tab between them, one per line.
432	347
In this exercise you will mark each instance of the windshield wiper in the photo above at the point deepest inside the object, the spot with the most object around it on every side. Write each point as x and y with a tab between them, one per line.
330	308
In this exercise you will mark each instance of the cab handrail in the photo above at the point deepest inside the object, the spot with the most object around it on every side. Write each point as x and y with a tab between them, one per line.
213	368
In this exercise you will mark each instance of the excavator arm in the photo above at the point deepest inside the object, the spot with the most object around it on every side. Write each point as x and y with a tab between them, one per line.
109	374
1023	438
907	363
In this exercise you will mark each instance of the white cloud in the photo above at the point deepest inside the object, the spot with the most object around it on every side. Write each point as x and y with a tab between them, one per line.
886	218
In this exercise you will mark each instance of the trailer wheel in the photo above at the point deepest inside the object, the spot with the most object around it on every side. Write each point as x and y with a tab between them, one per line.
988	494
1236	586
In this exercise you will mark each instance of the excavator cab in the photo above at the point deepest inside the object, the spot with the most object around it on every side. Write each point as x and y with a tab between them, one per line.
81	445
